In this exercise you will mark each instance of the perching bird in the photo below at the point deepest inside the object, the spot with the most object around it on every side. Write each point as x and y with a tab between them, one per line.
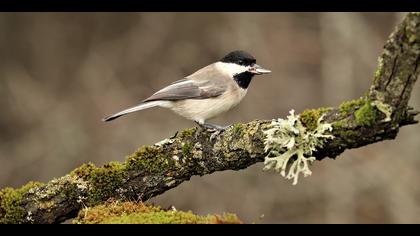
206	93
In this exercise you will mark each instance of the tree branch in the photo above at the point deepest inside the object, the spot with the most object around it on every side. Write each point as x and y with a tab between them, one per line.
154	169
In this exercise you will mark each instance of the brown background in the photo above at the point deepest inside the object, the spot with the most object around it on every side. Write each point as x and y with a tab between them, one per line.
60	73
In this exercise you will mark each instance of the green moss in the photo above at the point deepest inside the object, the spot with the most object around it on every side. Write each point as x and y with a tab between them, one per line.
139	213
147	158
309	117
11	210
340	124
169	217
366	115
349	136
350	106
99	213
238	129
103	181
188	132
187	149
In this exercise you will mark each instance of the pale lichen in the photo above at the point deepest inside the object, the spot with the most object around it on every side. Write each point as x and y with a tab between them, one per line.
29	217
384	108
380	67
163	142
290	145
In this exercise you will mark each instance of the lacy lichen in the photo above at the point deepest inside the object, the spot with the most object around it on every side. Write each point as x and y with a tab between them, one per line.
290	145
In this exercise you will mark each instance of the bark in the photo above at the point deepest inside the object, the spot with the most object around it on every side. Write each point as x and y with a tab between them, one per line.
157	168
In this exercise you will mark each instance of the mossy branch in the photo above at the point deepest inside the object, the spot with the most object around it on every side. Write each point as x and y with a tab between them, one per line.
155	169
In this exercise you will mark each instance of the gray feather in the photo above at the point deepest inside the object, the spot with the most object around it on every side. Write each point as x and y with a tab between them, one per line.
187	89
139	107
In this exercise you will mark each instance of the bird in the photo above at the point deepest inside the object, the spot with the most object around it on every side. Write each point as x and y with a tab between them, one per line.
208	92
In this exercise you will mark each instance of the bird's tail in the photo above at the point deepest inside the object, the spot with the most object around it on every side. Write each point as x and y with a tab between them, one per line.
140	107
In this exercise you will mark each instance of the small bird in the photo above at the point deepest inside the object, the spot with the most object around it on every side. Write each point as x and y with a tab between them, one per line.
206	93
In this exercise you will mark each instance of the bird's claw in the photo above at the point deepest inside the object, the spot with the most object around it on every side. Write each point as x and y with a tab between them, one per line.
216	133
216	129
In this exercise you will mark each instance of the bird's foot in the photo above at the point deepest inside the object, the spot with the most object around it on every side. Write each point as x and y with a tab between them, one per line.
216	129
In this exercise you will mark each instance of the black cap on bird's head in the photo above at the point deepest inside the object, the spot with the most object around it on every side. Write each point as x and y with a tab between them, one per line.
239	57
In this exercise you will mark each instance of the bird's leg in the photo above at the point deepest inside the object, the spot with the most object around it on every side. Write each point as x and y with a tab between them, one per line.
217	129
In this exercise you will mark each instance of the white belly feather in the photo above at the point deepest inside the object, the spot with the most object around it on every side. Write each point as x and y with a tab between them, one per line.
201	110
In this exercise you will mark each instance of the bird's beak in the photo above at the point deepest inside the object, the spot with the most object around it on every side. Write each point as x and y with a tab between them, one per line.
258	70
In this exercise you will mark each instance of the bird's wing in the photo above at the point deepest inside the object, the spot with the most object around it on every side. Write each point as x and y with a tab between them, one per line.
188	89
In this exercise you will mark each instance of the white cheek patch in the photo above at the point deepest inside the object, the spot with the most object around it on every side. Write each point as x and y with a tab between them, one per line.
232	69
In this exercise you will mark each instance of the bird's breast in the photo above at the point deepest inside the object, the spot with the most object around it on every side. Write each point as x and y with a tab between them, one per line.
204	109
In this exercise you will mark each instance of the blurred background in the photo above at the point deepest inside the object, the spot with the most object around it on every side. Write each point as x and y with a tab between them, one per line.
60	73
